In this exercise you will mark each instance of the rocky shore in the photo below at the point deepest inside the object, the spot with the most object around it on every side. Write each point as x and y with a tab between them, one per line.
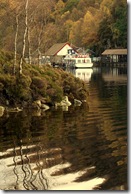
39	87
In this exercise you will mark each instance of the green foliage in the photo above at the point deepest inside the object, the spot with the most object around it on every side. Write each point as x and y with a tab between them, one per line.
1	87
105	33
12	90
120	25
70	4
24	80
36	83
38	86
112	31
5	56
55	93
17	88
39	82
75	88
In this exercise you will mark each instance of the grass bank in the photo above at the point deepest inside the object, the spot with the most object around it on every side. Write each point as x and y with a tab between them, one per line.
37	83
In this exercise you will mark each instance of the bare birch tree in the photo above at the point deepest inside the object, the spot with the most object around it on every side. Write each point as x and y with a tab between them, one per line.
24	37
16	37
29	45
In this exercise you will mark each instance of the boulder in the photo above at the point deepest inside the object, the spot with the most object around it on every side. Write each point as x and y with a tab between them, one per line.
44	107
64	102
38	103
77	102
16	109
2	109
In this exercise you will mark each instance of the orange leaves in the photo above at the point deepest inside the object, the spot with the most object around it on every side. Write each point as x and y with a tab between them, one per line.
90	26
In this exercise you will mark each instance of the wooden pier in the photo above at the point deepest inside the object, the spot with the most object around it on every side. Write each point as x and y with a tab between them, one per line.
114	58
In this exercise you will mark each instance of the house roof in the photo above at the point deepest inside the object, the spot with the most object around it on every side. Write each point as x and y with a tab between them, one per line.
115	52
55	49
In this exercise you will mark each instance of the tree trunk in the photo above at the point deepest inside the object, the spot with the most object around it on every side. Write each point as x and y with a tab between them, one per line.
39	43
29	48
15	52
24	38
39	53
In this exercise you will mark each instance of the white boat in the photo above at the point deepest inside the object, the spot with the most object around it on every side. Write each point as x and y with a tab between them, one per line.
78	61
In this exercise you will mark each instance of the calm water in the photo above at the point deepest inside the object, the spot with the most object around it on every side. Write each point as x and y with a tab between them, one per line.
82	148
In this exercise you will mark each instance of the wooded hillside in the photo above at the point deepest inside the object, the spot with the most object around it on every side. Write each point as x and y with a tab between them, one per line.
30	27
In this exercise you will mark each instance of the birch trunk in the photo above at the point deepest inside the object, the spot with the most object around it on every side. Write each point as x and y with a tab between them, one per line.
39	53
24	38
29	48
15	52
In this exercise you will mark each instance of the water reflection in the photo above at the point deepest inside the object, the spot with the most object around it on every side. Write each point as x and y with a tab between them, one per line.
84	74
84	148
115	74
45	144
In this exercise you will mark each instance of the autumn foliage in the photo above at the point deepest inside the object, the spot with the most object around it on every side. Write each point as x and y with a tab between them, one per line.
94	24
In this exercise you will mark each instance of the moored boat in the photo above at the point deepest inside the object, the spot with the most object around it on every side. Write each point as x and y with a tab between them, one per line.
78	61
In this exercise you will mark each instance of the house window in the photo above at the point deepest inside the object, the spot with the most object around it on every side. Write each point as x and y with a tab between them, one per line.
71	51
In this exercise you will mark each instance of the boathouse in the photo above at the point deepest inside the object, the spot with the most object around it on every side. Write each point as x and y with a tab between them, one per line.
58	51
115	55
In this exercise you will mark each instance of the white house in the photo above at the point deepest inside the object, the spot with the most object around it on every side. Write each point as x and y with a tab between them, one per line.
58	51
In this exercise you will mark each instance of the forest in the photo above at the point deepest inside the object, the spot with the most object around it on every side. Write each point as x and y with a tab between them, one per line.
28	28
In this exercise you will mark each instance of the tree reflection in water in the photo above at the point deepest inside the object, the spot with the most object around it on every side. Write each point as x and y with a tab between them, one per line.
83	148
56	144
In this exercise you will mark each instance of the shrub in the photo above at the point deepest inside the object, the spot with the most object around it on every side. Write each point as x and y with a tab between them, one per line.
1	87
55	94
25	94
25	81
38	86
39	82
